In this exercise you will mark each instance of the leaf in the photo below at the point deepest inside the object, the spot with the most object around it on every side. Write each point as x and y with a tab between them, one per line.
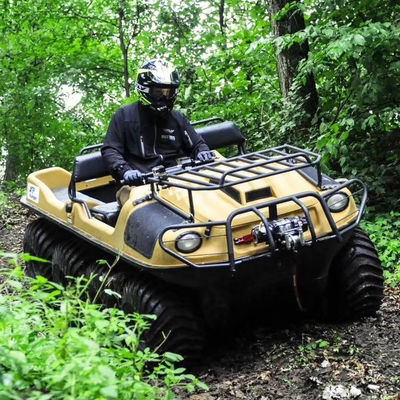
335	51
190	387
101	324
202	385
14	284
110	392
27	257
172	357
112	293
359	39
179	371
17	356
57	286
344	136
40	279
107	372
149	316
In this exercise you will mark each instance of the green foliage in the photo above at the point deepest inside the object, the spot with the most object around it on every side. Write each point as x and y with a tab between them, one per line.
228	68
55	344
9	192
384	231
354	57
46	48
236	79
335	348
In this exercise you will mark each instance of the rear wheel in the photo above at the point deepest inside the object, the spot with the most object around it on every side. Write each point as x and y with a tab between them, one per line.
76	258
355	286
41	237
177	328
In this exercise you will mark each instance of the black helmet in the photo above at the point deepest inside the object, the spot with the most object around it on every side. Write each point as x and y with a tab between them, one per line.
157	84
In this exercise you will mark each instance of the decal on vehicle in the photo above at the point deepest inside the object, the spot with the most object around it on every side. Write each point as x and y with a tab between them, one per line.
33	193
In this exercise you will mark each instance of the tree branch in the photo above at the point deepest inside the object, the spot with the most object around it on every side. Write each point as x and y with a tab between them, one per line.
88	18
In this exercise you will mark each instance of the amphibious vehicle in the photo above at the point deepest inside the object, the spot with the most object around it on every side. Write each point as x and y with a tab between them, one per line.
197	244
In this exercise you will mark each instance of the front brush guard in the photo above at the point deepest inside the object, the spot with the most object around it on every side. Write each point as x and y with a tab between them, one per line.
271	205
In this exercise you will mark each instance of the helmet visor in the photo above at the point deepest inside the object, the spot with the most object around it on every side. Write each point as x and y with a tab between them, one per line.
157	93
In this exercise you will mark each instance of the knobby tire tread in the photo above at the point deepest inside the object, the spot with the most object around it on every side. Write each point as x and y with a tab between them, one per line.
40	239
77	258
356	285
175	317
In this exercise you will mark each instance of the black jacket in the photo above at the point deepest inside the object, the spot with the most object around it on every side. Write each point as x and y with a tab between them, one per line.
137	140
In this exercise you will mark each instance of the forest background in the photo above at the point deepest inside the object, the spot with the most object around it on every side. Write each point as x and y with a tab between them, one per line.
321	74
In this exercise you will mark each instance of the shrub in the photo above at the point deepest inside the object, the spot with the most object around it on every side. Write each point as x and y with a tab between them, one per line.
55	344
384	231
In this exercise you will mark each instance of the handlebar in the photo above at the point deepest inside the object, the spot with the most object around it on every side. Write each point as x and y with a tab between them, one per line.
161	173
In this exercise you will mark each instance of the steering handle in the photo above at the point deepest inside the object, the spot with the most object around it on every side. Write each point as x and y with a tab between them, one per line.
160	171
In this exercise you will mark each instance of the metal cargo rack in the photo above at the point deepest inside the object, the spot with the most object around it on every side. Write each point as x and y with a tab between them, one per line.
257	164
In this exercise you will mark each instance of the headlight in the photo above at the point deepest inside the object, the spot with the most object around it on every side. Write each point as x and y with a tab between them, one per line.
338	202
188	242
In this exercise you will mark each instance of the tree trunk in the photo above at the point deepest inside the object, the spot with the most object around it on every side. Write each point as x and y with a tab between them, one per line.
124	50
221	16
288	60
11	173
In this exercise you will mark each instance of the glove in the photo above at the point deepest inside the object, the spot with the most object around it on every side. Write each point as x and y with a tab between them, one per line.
133	177
205	155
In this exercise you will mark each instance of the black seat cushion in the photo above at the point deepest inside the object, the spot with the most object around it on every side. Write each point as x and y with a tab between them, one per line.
89	166
221	135
107	212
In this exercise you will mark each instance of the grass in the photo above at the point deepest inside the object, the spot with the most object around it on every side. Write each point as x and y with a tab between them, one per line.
56	344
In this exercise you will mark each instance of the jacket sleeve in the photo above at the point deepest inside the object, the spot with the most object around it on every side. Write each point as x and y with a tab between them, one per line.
113	149
194	141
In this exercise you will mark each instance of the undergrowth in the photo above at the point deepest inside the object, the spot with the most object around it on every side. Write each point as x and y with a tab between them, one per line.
384	231
56	344
9	192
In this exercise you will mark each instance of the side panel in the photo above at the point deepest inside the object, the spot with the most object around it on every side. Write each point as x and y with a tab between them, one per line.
145	224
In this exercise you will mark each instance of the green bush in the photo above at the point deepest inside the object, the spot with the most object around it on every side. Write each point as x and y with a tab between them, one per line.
9	192
55	344
384	231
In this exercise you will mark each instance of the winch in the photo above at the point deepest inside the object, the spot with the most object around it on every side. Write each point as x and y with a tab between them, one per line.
287	233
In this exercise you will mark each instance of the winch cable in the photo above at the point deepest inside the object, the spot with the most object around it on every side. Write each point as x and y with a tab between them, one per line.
296	290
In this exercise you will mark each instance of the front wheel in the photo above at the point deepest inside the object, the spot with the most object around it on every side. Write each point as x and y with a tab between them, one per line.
177	329
355	287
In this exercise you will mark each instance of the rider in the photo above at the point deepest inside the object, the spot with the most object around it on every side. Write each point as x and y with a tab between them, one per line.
149	132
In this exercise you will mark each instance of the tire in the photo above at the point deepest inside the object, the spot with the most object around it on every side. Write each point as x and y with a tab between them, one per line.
355	287
77	258
175	314
41	236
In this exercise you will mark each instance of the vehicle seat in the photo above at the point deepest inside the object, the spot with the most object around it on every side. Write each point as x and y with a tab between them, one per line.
223	134
107	212
89	166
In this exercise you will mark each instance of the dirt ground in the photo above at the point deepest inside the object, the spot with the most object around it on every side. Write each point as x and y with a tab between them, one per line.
291	360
